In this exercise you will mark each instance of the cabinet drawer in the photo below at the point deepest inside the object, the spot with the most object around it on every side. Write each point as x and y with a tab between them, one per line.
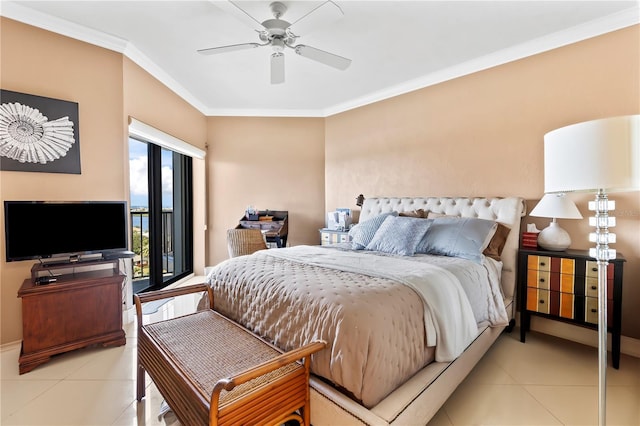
332	237
567	305
551	302
591	287
591	310
591	269
541	263
537	278
538	300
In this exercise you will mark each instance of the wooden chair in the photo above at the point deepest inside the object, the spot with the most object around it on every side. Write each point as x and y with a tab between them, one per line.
242	241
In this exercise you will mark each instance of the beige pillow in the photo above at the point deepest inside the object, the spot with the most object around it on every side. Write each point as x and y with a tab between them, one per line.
419	213
433	215
496	245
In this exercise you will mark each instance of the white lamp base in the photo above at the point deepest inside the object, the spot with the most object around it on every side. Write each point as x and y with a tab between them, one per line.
554	238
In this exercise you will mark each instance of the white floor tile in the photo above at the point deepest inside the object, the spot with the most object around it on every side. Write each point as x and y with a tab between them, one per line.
546	381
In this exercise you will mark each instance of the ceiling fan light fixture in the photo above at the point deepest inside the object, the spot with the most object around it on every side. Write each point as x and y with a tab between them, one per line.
277	44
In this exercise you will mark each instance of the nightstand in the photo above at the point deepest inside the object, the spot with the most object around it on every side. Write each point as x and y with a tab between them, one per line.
332	236
563	286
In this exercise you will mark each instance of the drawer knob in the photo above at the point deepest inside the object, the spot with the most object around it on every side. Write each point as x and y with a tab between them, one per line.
594	269
593	287
541	301
541	280
542	263
594	310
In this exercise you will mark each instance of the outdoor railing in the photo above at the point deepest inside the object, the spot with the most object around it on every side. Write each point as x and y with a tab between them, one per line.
140	242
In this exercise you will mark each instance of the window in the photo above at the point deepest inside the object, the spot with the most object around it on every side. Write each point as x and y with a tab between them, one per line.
161	210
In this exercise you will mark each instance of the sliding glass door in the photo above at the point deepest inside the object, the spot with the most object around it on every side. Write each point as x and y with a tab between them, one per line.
161	207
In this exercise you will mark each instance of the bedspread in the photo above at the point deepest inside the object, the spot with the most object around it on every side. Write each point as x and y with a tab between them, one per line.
379	323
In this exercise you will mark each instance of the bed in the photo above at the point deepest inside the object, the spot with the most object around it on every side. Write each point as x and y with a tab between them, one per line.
407	308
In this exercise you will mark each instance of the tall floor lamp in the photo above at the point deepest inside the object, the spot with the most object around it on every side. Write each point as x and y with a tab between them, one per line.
598	156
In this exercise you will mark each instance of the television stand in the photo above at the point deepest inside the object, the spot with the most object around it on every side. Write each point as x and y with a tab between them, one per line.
82	307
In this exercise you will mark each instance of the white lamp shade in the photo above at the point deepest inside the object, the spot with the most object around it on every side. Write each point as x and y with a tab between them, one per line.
556	206
593	155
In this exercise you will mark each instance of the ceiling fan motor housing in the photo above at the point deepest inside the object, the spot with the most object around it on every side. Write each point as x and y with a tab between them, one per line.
278	9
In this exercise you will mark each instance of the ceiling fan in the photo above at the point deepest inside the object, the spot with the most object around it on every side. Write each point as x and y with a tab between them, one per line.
280	34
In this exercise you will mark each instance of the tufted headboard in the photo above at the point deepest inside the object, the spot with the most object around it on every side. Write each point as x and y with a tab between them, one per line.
507	211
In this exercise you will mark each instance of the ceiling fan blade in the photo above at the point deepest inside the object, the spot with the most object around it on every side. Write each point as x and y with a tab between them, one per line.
229	48
234	9
321	16
321	56
277	68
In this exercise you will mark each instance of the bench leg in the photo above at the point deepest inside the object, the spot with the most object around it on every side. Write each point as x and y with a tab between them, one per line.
140	388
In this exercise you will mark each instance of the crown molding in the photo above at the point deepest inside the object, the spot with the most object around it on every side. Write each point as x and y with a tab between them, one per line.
613	22
17	12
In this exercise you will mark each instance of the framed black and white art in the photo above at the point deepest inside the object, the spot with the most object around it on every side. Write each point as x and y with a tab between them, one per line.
38	134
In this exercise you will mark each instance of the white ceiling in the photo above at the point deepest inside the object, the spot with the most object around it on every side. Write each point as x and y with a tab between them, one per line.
395	46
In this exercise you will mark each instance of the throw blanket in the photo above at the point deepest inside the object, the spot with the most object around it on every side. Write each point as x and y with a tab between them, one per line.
376	328
449	321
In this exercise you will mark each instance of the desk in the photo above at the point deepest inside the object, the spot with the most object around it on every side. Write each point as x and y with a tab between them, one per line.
276	229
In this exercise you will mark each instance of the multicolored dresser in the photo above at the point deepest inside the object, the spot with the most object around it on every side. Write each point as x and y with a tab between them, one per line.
564	286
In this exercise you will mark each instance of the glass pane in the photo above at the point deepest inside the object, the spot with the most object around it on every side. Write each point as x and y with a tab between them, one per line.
139	202
167	214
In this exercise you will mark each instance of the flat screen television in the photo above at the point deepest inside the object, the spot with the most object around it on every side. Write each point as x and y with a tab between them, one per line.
43	229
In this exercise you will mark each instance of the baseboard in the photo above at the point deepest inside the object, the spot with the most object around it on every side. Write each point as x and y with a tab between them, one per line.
10	345
586	336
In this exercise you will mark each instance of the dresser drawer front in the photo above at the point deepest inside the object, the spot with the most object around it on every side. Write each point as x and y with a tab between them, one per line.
332	237
591	310
541	263
540	279
566	308
591	269
538	300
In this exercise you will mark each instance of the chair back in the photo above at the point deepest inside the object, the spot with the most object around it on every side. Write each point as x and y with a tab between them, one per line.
242	241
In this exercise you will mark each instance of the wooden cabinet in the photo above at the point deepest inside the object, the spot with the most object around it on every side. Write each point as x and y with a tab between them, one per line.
331	236
564	286
82	307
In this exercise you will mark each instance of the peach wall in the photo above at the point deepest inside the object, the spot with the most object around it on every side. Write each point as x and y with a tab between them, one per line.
270	163
151	102
482	135
108	88
41	63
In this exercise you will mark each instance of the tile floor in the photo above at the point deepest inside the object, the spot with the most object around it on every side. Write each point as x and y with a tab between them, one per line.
547	381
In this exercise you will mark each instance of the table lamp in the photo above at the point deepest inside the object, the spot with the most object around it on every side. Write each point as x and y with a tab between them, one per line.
555	206
598	156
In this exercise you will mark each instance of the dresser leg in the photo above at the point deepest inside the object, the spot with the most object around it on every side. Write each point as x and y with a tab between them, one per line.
524	325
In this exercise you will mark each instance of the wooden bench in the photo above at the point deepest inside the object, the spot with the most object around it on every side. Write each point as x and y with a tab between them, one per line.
211	371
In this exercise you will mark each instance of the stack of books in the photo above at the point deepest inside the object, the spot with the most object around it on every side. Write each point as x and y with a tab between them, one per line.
530	240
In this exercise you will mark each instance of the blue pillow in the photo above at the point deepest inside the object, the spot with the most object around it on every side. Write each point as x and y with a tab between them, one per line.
463	237
362	233
399	235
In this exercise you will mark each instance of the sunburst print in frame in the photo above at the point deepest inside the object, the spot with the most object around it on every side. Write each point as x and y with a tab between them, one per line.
38	134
